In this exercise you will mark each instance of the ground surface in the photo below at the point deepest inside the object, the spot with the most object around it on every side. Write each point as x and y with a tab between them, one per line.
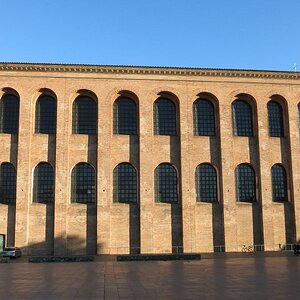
221	278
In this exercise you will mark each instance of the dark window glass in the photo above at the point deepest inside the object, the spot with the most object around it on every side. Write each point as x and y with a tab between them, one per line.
7	183
9	114
125	121
45	115
83	183
84	116
242	118
206	183
43	183
165	184
125	183
245	183
279	183
275	119
204	118
164	117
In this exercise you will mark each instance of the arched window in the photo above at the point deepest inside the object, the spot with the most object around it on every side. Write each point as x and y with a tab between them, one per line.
166	183
9	114
84	115
245	183
164	117
279	183
125	119
43	183
125	183
83	183
204	118
7	183
242	118
275	117
206	183
45	115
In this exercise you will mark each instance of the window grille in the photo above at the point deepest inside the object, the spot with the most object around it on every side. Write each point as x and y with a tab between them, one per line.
7	183
242	118
125	183
45	115
166	186
43	183
245	183
164	117
275	117
9	114
206	183
125	116
83	184
279	183
84	116
204	118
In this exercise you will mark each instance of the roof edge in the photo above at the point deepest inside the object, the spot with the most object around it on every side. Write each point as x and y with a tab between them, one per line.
146	70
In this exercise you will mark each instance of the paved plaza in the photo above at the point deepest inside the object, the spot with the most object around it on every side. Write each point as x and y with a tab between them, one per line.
221	278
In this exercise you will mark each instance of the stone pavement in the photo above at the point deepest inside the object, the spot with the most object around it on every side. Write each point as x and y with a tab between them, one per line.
222	278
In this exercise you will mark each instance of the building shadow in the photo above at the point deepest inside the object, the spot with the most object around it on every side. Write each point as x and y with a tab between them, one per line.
217	207
134	229
134	208
11	224
257	220
72	239
176	208
289	210
91	229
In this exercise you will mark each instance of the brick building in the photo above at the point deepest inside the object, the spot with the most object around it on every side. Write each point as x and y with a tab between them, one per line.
108	159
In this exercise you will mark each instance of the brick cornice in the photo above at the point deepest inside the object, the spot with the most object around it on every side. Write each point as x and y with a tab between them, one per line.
168	71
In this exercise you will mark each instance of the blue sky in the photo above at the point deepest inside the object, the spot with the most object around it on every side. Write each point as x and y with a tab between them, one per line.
242	34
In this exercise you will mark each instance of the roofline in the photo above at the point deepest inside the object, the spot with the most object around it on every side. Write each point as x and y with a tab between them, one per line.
147	70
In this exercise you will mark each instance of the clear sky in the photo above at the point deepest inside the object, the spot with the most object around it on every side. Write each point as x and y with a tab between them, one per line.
243	34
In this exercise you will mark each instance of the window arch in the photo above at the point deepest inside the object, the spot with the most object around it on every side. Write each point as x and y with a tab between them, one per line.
125	116
43	183
166	181
242	118
84	115
279	183
125	183
245	183
204	117
45	115
9	114
83	183
7	183
164	117
206	183
275	117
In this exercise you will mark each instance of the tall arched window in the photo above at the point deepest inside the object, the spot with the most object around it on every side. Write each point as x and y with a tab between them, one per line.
245	183
125	183
9	114
83	183
206	183
45	115
242	118
279	183
84	115
43	183
204	118
125	116
7	183
275	117
166	183
164	117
